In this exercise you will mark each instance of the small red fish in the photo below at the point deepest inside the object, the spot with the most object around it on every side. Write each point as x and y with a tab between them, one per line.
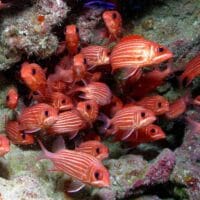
148	82
12	98
129	119
113	22
96	91
192	70
96	55
94	148
177	108
17	136
72	39
4	145
146	134
134	52
80	166
37	117
60	101
158	104
68	123
33	76
89	110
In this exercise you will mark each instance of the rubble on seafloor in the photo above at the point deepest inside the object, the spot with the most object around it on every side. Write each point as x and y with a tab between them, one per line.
173	23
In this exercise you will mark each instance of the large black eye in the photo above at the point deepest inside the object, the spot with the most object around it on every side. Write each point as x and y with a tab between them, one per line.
152	130
7	98
142	114
33	71
85	61
97	175
88	107
114	15
46	113
160	49
159	104
97	150
63	101
23	135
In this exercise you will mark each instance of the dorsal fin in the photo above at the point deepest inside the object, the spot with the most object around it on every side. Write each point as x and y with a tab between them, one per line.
131	37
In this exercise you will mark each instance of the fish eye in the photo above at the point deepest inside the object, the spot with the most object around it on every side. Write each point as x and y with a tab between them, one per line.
142	114
85	61
7	98
88	107
23	136
160	49
46	113
159	104
114	15
98	175
33	71
152	130
77	30
97	150
63	101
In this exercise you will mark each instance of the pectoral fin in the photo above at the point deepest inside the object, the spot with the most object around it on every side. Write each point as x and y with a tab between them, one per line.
75	186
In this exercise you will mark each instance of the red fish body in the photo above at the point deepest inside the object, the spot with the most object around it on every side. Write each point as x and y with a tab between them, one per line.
96	91
149	82
113	22
4	145
17	136
192	70
158	104
37	117
80	166
33	76
72	39
89	110
131	118
68	123
146	134
134	52
94	148
96	55
177	108
12	98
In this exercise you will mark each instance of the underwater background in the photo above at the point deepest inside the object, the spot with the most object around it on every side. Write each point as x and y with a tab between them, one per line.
33	31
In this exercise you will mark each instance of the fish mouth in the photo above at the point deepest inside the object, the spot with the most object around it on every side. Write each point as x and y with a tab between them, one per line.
101	183
159	137
50	121
165	57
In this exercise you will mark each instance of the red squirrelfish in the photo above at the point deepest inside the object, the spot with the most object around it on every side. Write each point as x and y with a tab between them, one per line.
113	22
80	166
134	52
146	134
94	148
12	98
4	145
129	119
149	82
72	39
96	91
192	70
158	104
96	55
37	117
33	76
16	136
68	123
89	110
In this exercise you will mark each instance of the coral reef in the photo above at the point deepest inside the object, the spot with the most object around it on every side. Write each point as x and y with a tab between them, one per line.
29	31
